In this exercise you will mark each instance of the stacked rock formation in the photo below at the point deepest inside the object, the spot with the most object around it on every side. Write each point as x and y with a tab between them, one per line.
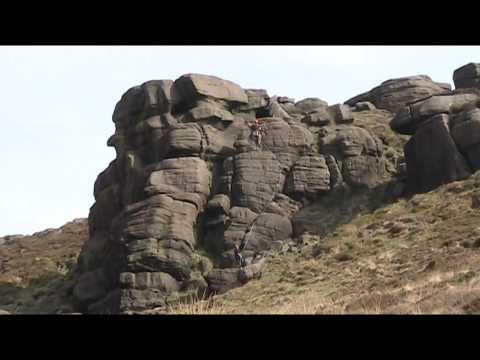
394	94
189	182
445	145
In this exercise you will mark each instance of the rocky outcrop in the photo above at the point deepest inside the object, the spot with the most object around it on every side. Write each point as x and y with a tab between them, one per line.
356	153
413	114
189	183
444	146
433	157
309	176
394	94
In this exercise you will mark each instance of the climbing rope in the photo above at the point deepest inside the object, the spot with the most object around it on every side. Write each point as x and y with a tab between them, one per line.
238	249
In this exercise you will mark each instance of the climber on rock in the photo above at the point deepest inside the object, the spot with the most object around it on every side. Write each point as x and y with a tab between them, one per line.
257	131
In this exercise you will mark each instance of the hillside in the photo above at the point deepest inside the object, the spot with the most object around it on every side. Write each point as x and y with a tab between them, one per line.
36	270
228	200
415	255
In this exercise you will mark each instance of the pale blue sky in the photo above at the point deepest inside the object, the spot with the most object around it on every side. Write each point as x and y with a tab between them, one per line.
57	104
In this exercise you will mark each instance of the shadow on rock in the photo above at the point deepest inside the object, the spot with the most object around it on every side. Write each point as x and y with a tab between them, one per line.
341	207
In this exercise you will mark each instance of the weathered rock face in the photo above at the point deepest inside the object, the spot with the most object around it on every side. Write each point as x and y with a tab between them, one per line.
356	155
413	114
189	183
467	76
191	88
394	94
433	157
466	134
444	146
309	176
310	104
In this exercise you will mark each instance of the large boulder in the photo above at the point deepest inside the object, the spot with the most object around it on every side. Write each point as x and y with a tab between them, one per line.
394	94
161	217
184	140
356	156
183	174
266	229
466	133
410	117
221	280
467	76
170	256
432	156
309	177
152	97
190	88
241	220
277	110
257	99
257	178
286	141
341	113
310	104
209	111
318	117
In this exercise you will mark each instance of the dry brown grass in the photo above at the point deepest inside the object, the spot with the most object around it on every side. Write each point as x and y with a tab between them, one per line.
197	305
35	271
309	304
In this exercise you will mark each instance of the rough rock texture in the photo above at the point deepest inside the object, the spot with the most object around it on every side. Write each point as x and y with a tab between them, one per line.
189	183
444	146
467	76
309	176
309	104
222	280
318	117
356	155
466	133
410	117
394	94
341	113
363	106
190	88
433	158
258	176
